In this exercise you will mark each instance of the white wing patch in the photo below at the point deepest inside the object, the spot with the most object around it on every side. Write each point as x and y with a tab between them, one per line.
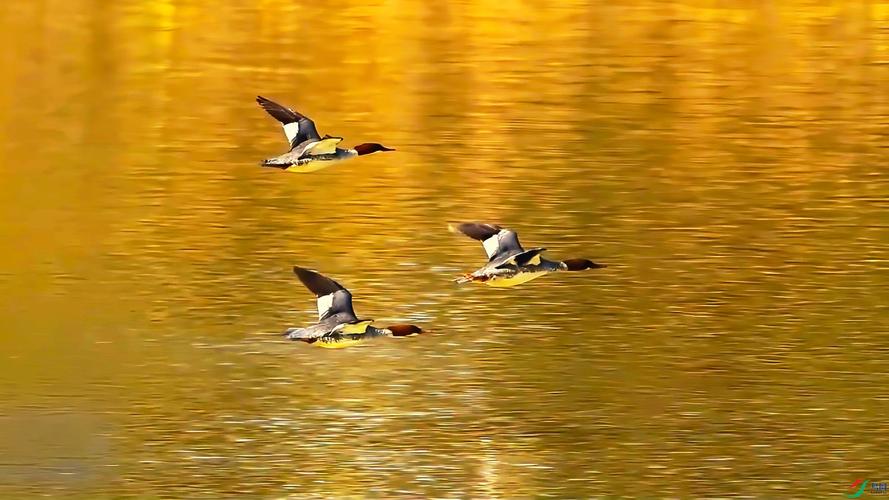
307	148
325	302
492	244
324	146
290	130
360	327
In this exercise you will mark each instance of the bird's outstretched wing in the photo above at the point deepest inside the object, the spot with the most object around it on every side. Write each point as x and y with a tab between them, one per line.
297	127
499	243
333	298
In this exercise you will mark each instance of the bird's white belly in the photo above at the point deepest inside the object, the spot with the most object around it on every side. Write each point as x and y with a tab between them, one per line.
338	340
312	166
518	279
319	163
339	343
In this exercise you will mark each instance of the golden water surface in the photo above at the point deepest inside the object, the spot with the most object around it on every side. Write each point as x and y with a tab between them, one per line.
727	160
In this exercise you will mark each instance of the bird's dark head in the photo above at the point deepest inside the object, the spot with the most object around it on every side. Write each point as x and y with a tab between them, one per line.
371	147
404	330
581	264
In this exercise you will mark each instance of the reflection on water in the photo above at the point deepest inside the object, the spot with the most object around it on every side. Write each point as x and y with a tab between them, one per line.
729	165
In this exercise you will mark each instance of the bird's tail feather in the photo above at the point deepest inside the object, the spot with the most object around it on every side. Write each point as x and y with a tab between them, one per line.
275	163
466	278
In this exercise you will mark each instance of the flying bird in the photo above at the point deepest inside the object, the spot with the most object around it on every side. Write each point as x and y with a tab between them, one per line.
508	263
337	325
308	150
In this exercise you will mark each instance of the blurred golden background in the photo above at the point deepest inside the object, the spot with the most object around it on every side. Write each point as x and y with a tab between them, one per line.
727	160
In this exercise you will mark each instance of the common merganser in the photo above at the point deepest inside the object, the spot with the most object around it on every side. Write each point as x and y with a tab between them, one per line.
508	263
308	150
337	325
